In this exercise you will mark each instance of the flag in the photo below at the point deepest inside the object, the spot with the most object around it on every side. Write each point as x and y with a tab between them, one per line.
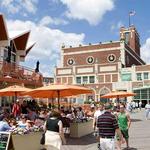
132	13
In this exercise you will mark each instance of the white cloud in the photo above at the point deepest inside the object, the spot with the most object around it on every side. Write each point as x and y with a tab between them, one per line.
116	26
15	6
145	50
47	20
89	10
48	42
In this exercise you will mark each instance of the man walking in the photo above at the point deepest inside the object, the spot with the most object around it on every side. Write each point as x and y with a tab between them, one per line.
147	110
124	122
108	125
98	112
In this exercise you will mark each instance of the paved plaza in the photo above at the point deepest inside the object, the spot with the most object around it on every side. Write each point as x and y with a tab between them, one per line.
139	136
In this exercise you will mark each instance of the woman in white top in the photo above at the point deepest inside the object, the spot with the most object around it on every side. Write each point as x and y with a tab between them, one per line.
54	135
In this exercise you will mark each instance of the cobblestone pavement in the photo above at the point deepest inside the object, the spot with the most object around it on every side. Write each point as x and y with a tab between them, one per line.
139	136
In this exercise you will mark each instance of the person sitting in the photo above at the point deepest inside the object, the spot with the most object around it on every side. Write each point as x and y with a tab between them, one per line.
22	122
4	126
81	115
29	125
39	121
13	124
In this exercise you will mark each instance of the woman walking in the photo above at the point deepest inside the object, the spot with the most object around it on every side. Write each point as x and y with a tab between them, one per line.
54	136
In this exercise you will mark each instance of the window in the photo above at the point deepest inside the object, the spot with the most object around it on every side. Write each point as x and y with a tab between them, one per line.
5	54
70	61
78	80
13	57
146	75
127	37
139	76
126	77
92	79
111	58
85	79
90	60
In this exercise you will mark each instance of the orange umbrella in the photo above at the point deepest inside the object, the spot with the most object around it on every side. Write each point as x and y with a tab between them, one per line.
57	91
14	90
118	94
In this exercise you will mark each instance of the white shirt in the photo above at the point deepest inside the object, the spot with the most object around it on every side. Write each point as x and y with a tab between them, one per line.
147	106
140	103
98	113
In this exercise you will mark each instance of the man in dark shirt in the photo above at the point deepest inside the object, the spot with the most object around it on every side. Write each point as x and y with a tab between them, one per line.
108	126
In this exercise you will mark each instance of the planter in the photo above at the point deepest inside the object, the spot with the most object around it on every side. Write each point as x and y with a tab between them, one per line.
78	130
29	141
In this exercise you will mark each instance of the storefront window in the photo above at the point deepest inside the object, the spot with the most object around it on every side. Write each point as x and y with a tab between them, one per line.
144	94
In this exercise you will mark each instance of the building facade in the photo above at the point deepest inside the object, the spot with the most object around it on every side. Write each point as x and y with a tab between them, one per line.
12	52
114	65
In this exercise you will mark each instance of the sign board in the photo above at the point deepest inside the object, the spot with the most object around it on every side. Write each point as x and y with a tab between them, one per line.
4	140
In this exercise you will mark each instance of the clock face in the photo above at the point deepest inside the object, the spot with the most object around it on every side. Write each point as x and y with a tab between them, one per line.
90	60
70	61
111	58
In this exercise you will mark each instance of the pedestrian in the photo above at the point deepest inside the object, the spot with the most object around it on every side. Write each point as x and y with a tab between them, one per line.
136	105
108	126
124	122
140	105
54	135
128	107
16	110
147	110
98	112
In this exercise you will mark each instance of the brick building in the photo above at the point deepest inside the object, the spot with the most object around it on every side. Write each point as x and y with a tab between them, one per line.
114	65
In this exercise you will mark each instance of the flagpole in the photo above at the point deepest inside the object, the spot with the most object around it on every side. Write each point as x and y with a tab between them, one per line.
129	20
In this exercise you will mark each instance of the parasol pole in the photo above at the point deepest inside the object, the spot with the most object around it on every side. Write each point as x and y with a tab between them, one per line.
58	92
117	99
15	96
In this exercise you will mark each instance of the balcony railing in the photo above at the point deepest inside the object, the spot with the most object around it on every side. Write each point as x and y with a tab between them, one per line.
15	73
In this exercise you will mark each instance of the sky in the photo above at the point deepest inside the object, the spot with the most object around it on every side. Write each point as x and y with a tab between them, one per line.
54	23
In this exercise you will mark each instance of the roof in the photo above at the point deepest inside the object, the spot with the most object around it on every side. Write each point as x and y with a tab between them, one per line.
29	48
21	41
3	29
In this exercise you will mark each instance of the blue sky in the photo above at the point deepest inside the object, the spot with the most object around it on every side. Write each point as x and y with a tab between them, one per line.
54	22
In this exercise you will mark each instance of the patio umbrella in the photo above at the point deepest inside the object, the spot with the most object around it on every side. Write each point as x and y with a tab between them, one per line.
118	94
14	90
58	91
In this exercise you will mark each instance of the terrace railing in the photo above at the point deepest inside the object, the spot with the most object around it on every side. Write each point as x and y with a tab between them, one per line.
18	73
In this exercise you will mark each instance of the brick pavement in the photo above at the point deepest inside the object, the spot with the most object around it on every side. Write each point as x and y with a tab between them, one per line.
139	136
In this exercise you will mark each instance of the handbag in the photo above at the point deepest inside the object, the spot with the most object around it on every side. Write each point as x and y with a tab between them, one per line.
42	141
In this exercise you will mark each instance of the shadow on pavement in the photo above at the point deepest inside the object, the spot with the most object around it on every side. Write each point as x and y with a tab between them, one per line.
85	140
131	148
135	120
